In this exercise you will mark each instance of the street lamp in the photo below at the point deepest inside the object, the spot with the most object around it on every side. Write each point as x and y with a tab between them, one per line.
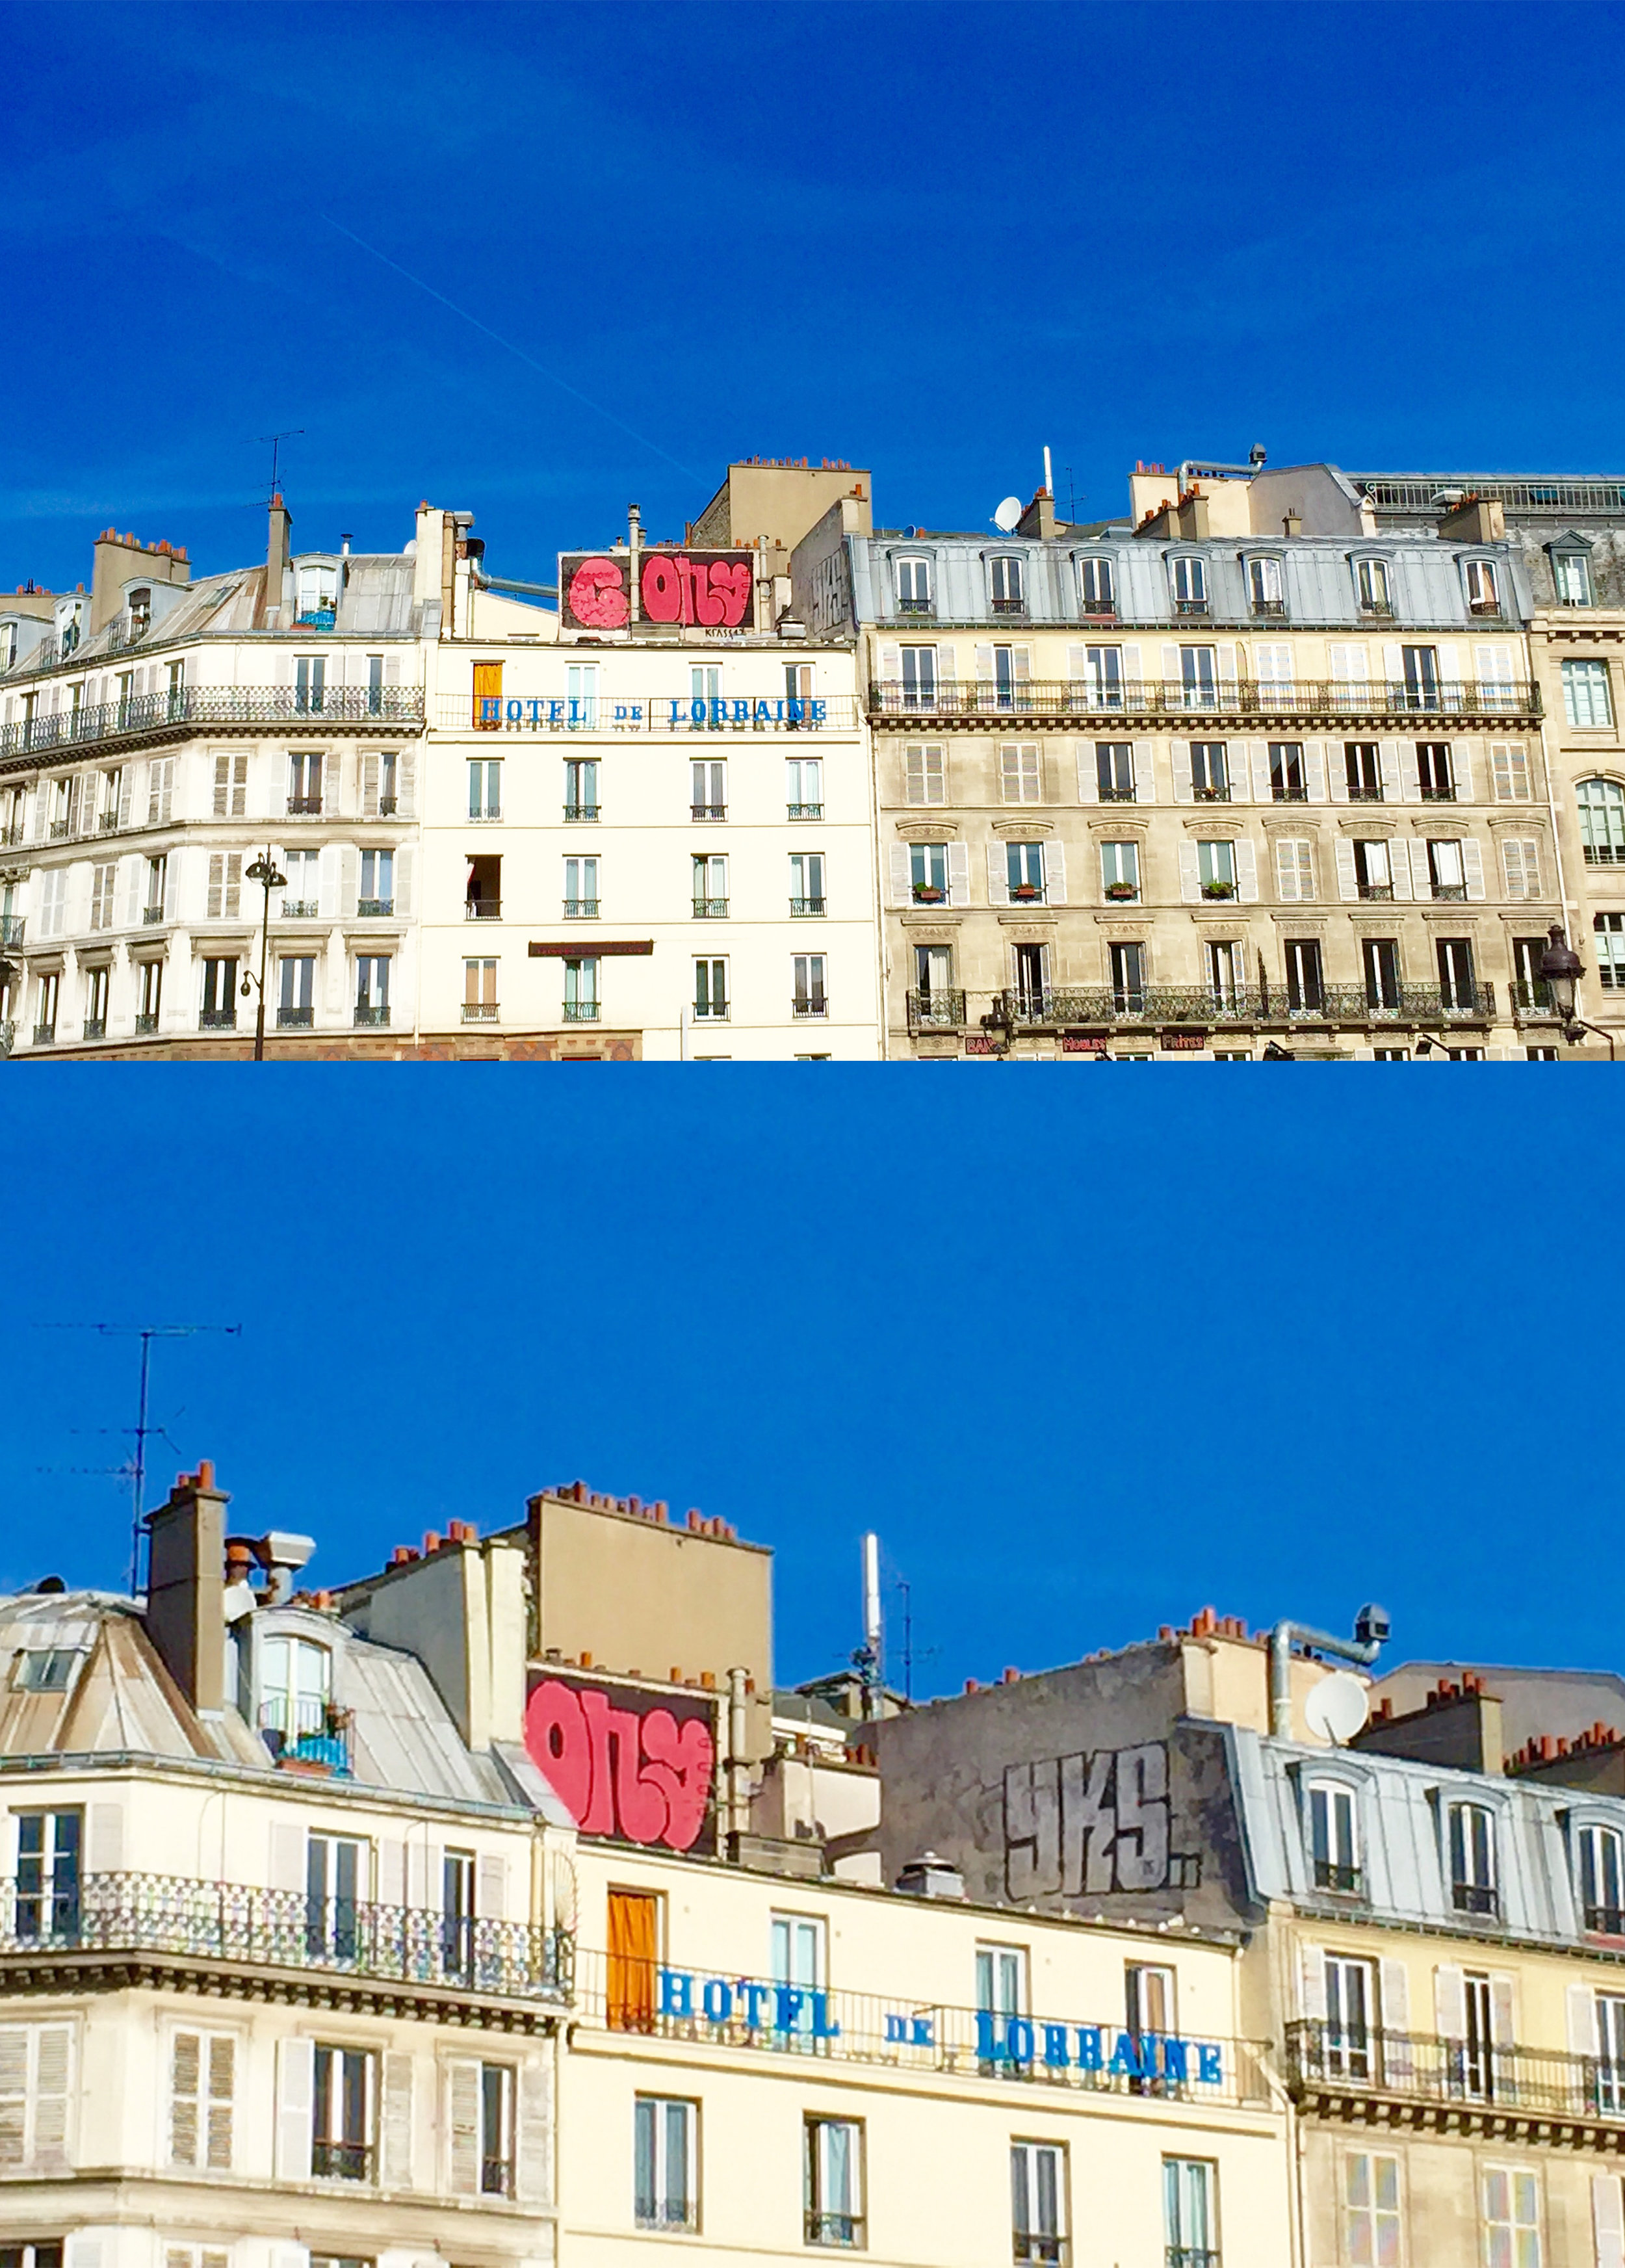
269	876
1560	968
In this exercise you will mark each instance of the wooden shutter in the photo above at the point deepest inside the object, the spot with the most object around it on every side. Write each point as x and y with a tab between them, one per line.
1399	868
368	787
1337	771
135	869
1512	867
1502	2020
1410	773
533	2133
186	2088
1088	771
52	2045
1009	775
403	879
223	786
126	782
1077	662
1608	2220
220	2076
1348	882
332	782
1246	871
947	668
395	2122
1450	2002
406	784
998	875
1314	770
1461	761
1190	874
890	664
1311	1962
1183	791
104	1838
1133	684
493	1887
1286	871
217	884
462	2095
172	866
1263	790
1582	2022
1144	774
1395	2012
1021	663
14	2055
350	875
984	663
1472	867
234	884
1388	769
1450	671
295	2095
902	889
958	873
164	781
1054	874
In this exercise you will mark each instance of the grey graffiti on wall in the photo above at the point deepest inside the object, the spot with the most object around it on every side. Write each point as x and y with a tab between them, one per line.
1089	1822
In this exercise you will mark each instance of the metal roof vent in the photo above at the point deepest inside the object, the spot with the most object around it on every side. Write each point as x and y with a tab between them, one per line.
928	1877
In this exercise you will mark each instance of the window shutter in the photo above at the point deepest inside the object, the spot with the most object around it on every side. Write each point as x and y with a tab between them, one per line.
1144	774
406	782
52	2046
130	896
222	2076
1388	769
1399	868
234	884
186	2080
958	873
1134	685
1229	661
1314	770
998	875
403	879
1410	774
290	2256
1088	772
1582	2021
223	786
1020	664
1348	884
1286	871
332	783
125	778
891	664
1246	872
1450	665
1009	775
41	810
1512	867
1054	874
328	869
396	2125
463	2121
287	1849
104	1838
1190	874
423	1867
1076	662
217	883
1502	2018
1337	771
1461	769
1262	790
1608	2220
13	2096
902	892
984	662
295	2087
533	2140
163	789
1314	1970
1396	2020
368	787
1450	2002
82	2251
1472	867
1182	789
493	1888
172	882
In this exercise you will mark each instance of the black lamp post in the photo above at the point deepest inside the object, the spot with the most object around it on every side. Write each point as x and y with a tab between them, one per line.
1561	969
270	877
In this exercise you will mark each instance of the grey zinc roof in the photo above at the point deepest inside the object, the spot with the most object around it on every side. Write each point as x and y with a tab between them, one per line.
404	1738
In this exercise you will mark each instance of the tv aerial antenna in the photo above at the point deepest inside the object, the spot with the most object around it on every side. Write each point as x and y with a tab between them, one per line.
289	433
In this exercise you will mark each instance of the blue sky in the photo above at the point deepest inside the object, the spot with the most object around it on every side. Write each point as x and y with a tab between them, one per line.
927	239
1089	1353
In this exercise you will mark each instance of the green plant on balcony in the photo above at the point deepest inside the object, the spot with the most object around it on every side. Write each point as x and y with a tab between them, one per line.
929	894
1218	889
1024	889
1121	889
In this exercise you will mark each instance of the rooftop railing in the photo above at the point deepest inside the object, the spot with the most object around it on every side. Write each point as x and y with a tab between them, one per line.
210	708
1240	698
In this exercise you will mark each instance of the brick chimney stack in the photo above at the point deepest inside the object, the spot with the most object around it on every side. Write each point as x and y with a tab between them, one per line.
278	561
185	1589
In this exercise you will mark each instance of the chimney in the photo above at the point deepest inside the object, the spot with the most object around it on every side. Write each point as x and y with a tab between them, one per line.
1292	525
1476	519
278	560
1039	518
186	1587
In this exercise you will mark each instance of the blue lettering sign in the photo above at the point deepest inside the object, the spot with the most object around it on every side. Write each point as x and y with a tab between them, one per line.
718	2000
896	2030
490	710
787	2012
1125	2058
988	2048
1018	2040
822	2028
676	1993
1090	2056
922	2032
1209	2069
1055	2047
1176	2060
756	1998
516	710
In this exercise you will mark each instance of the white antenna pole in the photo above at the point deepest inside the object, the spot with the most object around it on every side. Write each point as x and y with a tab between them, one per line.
871	1625
1050	484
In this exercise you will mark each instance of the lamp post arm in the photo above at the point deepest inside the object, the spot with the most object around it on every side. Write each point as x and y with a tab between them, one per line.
1577	1024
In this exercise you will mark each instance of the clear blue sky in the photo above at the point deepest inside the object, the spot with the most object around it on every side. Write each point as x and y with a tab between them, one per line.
927	239
1088	1353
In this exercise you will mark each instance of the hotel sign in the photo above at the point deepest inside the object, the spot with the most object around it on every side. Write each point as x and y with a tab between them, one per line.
632	1764
706	590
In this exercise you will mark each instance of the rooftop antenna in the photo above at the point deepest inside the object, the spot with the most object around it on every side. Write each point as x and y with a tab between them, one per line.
1072	499
867	1659
292	434
1049	485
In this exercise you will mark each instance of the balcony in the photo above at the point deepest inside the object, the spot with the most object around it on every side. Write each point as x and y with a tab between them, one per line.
936	1012
479	1012
211	708
1218	890
95	1028
341	2162
1342	1882
1475	1898
1330	704
388	807
1372	890
109	822
217	1020
1190	606
147	1020
916	605
370	908
1438	794
1026	893
710	908
580	909
1009	606
804	811
1189	2256
367	1013
1098	610
1365	792
1605	1921
1272	610
301	909
296	1020
60	830
930	893
1203	1006
581	1011
1532	998
1217	792
304	806
1376	610
1118	795
800	907
9	837
1346	2072
581	810
811	1003
1450	892
708	811
483	909
615	717
11	928
1603	854
182	1917
150	914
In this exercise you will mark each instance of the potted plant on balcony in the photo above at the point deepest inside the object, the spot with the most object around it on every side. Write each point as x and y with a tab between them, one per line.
1218	889
1121	890
1024	889
928	894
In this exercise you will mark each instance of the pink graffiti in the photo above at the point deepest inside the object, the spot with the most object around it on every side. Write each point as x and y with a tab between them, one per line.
598	595
715	594
640	1774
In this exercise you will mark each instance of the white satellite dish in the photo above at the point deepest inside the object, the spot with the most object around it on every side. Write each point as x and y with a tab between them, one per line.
1337	1707
1008	517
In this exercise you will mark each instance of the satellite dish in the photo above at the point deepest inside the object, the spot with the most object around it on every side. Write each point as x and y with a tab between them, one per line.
910	533
1337	1707
1008	516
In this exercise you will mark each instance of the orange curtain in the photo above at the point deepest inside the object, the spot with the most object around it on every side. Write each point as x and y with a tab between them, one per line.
486	687
634	1952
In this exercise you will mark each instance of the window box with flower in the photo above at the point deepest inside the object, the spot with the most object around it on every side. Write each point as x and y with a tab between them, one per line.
1122	890
1218	889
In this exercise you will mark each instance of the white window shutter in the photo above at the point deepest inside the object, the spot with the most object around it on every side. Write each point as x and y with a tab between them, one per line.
82	2251
533	2154
1411	772
984	662
493	1887
368	787
1472	867
425	1870
1512	867
392	669
1228	664
53	2057
1190	874
1237	765
1088	772
332	783
1388	769
104	1838
221	2075
296	2094
1337	771
1348	882
1450	2002
1171	670
1395	2014
1314	770
1054	874
1461	759
220	804
173	867
902	890
1608	2220
1246	872
1503	2011
1183	791
1422	879
129	896
166	770
1009	775
403	879
328	891
14	2055
234	884
1313	1974
1262	790
1134	684
998	875
958	873
217	884
395	2123
287	1862
126	779
186	2086
406	782
1021	663
1286	871
1076	662
1399	868
462	2091
1582	2021
1449	669
1144	774
891	664
947	666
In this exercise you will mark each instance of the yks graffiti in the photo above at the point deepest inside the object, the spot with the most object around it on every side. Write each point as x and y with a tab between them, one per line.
638	1767
1088	1822
710	590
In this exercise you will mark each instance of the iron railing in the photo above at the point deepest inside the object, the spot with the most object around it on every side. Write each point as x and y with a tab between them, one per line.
479	1012
11	928
1531	997
811	1003
1558	495
193	707
1426	2068
1238	699
708	811
1243	1004
581	810
183	1916
936	1012
366	1013
580	909
581	1011
710	908
217	1020
553	714
369	908
483	909
804	811
800	906
296	1020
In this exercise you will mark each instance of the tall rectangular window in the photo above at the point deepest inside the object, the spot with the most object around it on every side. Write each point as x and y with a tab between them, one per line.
1038	2203
338	1871
919	666
810	997
48	1849
341	2115
1113	761
709	799
710	885
304	784
496	2130
1608	937
1096	589
710	990
310	678
1472	1840
1511	2206
806	882
1287	783
1021	775
1458	985
1128	966
833	2181
804	786
913	587
457	1913
581	889
1333	1846
375	684
1119	871
925	776
798	1953
581	696
218	1012
377	883
1381	957
1363	768
1434	775
634	1952
479	991
296	983
1190	2213
1371	2205
1350	2003
1571	574
1210	771
581	788
372	988
1007	585
666	2149
485	789
1023	868
1370	577
1586	700
1189	578
581	991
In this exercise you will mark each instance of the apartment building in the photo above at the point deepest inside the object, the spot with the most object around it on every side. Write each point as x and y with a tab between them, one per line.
1244	770
160	738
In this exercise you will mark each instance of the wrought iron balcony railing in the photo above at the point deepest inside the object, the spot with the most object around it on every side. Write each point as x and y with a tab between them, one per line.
185	1916
804	811
1203	1005
296	1020
479	1012
803	906
581	1011
211	708
614	717
11	928
367	1012
367	907
1355	2061
580	811
1333	702
217	1020
936	1012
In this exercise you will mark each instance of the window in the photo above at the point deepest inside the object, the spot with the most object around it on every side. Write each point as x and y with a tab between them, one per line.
1190	2213
926	782
913	587
1483	597
833	2181
48	990
44	1670
1370	2210
231	788
804	786
1373	873
1334	1851
1210	771
318	591
798	1961
1602	821
1286	772
48	1848
1189	578
96	1003
581	1002
1227	974
304	784
1571	577
1038	2203
1446	875
156	892
1520	860
310	678
810	998
1608	932
581	788
149	995
710	885
377	883
35	2104
218	1010
303	898
1511	2218
1371	583
1000	1994
1198	676
1004	669
581	696
1457	986
935	1001
1585	697
1007	586
1113	761
1471	1835
1264	586
342	2119
375	687
1119	871
1351	2007
479	991
296	996
634	1952
665	2150
1032	975
928	869
806	882
496	2130
1602	1879
1381	958
919	663
711	990
1363	767
1096	590
102	879
1102	685
1216	869
1148	1993
1420	663
1024	869
337	1877
201	2082
1128	967
1021	775
1510	768
1294	869
1434	775
580	889
485	788
709	797
372	988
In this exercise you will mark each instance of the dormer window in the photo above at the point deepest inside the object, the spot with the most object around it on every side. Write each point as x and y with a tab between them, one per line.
1483	596
1334	1843
68	628
318	595
1097	589
8	644
1190	587
140	612
1264	586
1472	1840
1371	583
1602	1879
1572	576
1007	584
296	1685
913	587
